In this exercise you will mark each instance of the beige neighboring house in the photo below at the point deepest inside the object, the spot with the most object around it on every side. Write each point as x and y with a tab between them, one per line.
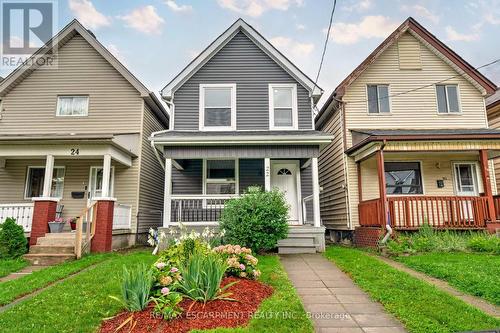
76	134
493	109
412	143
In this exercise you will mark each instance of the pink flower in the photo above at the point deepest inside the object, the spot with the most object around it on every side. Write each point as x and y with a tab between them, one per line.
174	270
164	291
161	265
242	267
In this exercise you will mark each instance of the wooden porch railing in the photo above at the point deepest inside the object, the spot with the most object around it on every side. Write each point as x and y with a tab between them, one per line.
496	201
85	230
442	212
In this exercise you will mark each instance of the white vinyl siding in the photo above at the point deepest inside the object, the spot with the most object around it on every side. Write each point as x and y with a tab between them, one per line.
447	98
283	106
72	106
217	107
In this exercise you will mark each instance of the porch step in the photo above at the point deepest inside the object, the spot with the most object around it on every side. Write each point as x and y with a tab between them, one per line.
52	249
297	242
295	250
59	235
47	259
49	241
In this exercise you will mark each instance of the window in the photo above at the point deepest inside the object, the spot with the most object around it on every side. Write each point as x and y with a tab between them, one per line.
283	106
35	178
221	176
72	106
403	178
217	106
378	98
447	98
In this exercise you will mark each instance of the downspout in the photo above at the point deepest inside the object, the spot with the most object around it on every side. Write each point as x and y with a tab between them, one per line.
388	220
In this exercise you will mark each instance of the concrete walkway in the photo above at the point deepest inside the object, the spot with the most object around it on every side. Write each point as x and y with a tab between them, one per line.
334	302
23	272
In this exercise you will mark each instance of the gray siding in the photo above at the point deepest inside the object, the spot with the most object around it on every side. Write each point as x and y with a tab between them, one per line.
251	173
242	62
306	190
189	180
243	152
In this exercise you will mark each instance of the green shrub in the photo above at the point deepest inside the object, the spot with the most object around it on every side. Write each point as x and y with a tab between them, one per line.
13	243
256	220
484	243
202	276
167	304
136	286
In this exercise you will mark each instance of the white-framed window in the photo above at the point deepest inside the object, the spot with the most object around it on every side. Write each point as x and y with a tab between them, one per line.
378	98
447	98
283	106
34	182
217	107
68	106
95	182
220	176
403	178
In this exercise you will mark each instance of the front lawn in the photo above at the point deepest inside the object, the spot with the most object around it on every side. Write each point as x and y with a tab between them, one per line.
8	266
476	274
420	306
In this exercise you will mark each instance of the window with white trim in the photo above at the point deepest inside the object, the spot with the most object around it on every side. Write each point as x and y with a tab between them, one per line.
217	107
378	98
72	106
35	178
283	106
447	98
221	177
403	178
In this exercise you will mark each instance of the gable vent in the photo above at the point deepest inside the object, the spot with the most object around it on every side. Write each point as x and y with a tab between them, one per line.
409	53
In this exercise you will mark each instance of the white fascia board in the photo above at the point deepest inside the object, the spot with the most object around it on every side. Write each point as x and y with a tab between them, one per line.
221	41
263	140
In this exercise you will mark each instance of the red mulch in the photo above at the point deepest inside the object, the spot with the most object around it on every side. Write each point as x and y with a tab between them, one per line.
247	293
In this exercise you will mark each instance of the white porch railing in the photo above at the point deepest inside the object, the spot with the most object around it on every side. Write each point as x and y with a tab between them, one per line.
122	216
22	212
197	208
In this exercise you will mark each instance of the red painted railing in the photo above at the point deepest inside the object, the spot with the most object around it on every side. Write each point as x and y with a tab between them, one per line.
496	200
444	212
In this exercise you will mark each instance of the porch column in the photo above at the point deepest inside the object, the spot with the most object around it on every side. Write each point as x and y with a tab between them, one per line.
485	175
47	180
167	204
315	186
267	174
381	187
106	174
103	238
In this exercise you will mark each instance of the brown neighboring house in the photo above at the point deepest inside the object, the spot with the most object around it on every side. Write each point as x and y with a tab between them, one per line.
74	136
412	143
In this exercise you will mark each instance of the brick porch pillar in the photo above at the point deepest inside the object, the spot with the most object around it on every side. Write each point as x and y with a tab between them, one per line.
44	211
103	237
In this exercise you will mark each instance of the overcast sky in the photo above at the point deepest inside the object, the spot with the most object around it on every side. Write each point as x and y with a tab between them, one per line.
157	38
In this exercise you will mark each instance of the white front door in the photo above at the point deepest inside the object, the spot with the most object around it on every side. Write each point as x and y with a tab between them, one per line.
95	183
466	179
285	177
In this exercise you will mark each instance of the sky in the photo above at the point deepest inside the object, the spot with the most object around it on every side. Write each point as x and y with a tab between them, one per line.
156	39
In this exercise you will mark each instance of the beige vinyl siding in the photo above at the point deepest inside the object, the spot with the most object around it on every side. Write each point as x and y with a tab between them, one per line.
494	122
76	178
333	197
409	53
152	177
114	104
416	109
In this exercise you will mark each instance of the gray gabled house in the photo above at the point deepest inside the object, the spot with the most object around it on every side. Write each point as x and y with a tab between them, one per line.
242	115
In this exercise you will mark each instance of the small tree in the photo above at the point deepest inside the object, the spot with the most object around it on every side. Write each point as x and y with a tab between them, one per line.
12	240
256	220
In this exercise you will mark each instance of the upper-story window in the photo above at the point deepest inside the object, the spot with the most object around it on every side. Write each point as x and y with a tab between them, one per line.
72	106
378	98
217	107
283	106
447	98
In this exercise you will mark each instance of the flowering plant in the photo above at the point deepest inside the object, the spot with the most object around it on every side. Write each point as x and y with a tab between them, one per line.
58	220
167	304
165	277
240	260
154	239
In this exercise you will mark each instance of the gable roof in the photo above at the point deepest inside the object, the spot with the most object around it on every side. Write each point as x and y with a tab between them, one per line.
411	26
69	31
493	100
259	40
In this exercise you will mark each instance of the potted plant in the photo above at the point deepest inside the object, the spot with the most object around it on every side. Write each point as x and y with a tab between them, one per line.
72	222
57	225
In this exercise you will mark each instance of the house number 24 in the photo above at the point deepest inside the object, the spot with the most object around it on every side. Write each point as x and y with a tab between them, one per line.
74	151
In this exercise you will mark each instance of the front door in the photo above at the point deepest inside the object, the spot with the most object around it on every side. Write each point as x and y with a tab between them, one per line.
466	179
284	177
95	183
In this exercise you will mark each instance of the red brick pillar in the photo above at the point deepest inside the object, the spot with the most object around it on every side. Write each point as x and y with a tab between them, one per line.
44	211
104	226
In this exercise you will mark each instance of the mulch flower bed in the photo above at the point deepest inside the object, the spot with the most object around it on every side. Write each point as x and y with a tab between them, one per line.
248	294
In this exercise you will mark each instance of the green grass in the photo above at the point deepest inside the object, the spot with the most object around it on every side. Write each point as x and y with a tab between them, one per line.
8	266
10	290
272	313
476	274
76	305
420	306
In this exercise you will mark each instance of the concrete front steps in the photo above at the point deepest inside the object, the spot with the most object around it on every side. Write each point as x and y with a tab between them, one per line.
52	249
303	239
